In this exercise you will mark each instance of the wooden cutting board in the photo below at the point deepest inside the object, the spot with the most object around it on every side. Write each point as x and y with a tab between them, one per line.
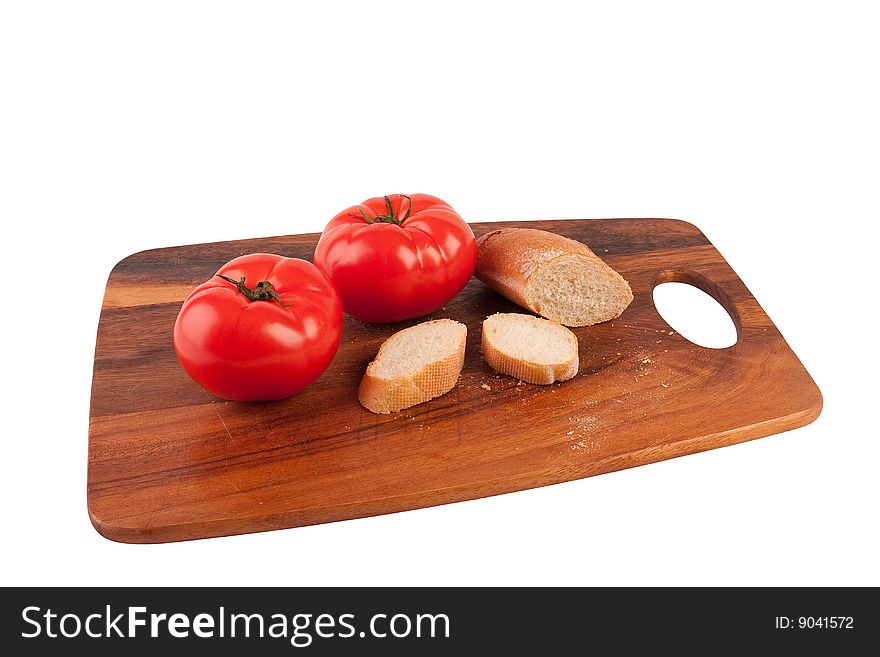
170	462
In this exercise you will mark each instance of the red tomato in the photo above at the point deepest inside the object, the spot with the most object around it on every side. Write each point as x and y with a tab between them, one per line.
397	257
264	327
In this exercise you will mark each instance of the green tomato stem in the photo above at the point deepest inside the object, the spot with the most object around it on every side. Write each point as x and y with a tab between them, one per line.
389	218
262	292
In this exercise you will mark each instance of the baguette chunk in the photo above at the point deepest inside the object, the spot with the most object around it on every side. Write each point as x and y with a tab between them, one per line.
414	365
529	348
551	275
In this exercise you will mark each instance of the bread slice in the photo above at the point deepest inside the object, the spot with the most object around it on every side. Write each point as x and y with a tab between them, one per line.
551	275
414	365
529	348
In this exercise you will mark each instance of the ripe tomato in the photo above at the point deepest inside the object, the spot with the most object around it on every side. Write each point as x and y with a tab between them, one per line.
264	327
396	257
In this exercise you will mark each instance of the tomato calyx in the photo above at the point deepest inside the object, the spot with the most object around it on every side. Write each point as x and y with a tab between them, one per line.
391	217
262	291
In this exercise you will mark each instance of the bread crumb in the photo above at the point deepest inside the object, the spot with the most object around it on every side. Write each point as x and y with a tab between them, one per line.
664	385
647	361
568	433
485	386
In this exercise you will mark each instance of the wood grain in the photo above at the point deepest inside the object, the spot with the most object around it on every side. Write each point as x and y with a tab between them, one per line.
170	462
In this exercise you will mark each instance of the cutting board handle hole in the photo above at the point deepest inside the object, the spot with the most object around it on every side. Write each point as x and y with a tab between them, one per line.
689	305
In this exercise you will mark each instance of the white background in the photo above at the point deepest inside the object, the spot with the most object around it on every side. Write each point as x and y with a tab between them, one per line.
126	126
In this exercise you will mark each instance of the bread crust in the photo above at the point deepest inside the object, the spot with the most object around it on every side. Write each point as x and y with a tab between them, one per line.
528	371
383	396
508	257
